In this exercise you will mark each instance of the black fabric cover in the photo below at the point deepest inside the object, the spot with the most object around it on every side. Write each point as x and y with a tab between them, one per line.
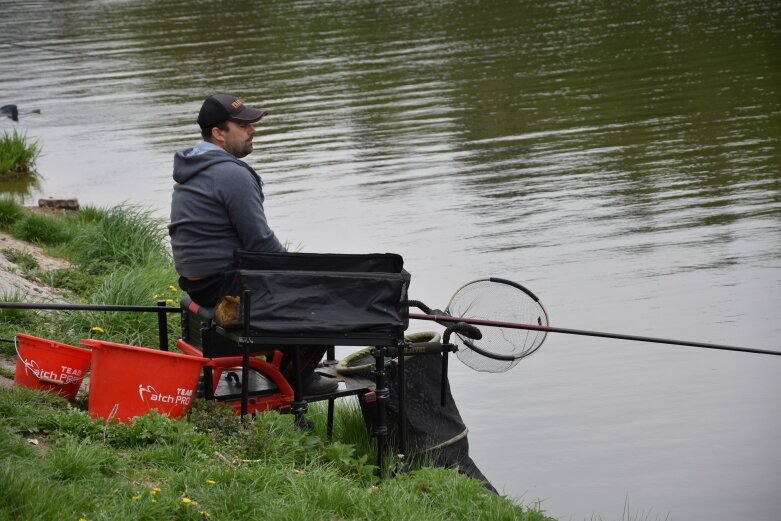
311	293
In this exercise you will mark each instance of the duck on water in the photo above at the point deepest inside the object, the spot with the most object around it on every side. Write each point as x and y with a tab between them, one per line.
12	111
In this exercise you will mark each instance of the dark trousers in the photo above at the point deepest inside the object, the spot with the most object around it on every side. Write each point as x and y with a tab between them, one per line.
310	358
207	291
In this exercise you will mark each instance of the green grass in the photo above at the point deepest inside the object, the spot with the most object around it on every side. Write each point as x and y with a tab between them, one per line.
210	466
121	236
126	286
10	212
98	241
120	256
73	280
17	319
41	229
17	155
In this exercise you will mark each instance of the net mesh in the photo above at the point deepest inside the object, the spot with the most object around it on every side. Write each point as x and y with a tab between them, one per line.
501	302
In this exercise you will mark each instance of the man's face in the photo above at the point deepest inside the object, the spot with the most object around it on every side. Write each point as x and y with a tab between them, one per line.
237	140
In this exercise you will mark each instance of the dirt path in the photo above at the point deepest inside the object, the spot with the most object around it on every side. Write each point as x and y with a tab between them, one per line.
14	285
12	281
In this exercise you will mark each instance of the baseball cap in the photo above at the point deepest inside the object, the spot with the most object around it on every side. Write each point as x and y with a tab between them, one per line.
223	107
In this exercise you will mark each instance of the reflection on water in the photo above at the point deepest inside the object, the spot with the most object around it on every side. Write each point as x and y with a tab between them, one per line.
622	161
19	189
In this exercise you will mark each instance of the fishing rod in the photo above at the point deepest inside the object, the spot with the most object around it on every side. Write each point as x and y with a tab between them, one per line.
521	325
550	329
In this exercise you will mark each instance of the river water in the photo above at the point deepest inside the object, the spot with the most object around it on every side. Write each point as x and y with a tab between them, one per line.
622	160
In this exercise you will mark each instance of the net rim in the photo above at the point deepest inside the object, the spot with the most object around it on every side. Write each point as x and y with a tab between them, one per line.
468	353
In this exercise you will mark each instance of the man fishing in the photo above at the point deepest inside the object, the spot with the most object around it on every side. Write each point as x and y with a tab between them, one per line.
217	208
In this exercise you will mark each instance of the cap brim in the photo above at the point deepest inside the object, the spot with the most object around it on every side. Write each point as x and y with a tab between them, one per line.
248	115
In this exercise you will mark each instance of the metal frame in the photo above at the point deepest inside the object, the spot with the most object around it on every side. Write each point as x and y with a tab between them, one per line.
161	309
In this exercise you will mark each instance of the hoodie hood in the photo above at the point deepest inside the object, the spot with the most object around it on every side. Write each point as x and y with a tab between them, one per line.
192	161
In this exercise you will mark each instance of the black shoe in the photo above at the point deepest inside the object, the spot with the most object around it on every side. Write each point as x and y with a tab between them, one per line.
315	383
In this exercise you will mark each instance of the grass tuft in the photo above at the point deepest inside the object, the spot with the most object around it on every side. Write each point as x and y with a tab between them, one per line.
17	155
10	212
121	236
25	260
138	286
74	280
13	320
41	229
71	459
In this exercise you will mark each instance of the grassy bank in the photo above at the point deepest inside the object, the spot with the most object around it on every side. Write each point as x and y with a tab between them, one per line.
60	464
118	256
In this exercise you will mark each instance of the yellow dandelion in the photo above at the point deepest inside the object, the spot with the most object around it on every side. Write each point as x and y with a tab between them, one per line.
211	482
156	296
186	500
97	329
82	519
155	490
136	498
169	301
173	289
204	513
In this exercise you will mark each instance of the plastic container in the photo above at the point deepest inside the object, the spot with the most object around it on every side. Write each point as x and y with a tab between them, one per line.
130	381
50	366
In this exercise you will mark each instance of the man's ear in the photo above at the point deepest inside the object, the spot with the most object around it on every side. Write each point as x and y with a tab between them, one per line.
217	135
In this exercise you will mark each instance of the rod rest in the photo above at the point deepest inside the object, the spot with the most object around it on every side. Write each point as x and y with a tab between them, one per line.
425	309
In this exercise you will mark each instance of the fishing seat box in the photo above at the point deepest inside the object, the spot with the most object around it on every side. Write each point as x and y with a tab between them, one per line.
294	299
317	298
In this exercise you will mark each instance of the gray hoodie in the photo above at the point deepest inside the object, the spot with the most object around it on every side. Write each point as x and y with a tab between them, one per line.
216	208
